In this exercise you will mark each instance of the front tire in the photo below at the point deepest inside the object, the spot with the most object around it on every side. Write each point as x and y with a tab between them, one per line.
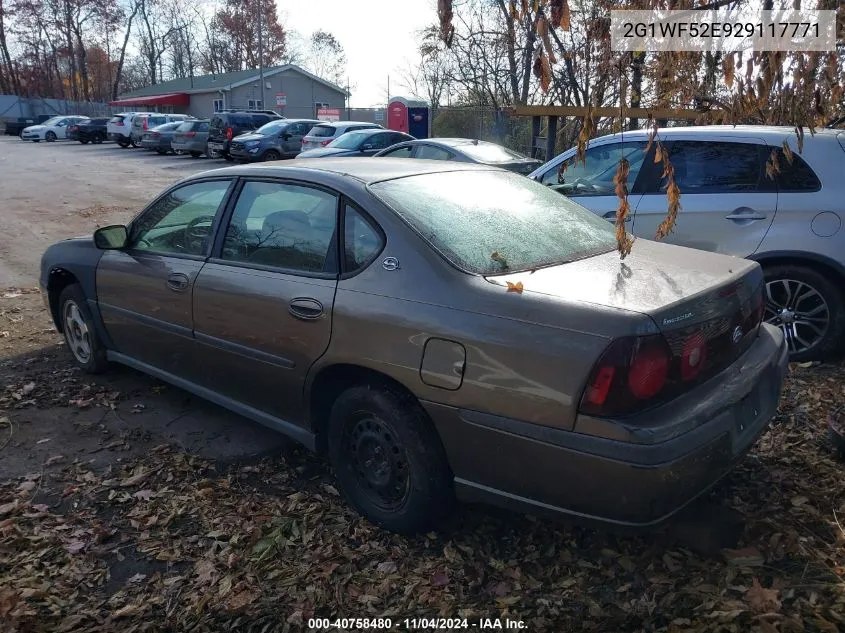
50	137
196	154
388	459
83	141
809	309
79	331
271	155
123	144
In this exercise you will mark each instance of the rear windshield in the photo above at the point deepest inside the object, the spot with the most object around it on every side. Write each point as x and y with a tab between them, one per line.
350	140
186	127
117	118
490	222
322	131
490	153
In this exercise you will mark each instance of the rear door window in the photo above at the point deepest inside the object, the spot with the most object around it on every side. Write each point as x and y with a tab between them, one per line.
432	153
795	176
715	167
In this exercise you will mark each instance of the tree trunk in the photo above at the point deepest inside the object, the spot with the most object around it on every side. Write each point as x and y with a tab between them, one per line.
74	88
118	72
11	79
637	62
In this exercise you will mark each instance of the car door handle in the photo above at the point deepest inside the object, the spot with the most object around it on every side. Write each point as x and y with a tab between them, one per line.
305	308
611	215
745	213
178	282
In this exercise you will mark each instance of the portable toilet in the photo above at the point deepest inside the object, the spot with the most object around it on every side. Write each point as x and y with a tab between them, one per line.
408	116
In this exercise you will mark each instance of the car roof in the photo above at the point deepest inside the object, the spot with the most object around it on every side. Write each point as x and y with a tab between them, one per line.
765	131
367	171
344	123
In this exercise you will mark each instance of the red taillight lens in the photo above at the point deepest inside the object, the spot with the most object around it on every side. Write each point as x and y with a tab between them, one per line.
229	134
190	134
155	135
119	123
144	123
324	143
630	373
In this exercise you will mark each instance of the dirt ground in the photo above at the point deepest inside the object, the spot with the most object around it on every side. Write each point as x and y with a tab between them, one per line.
129	505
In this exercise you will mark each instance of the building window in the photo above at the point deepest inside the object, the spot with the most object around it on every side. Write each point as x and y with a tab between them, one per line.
218	105
254	104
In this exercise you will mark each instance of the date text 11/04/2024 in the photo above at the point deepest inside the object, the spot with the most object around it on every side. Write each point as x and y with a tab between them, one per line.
416	624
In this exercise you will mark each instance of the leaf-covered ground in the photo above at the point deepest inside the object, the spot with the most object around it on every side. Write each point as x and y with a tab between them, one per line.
168	541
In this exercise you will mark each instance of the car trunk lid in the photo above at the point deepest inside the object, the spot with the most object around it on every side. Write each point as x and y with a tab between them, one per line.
687	293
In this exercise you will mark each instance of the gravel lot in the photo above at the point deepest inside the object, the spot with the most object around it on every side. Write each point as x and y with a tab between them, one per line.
128	505
65	189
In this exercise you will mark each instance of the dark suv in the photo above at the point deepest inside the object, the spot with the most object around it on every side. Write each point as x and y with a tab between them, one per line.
227	125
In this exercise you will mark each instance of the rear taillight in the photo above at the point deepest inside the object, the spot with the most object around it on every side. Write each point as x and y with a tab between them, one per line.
324	143
229	134
155	135
144	123
629	376
119	123
190	134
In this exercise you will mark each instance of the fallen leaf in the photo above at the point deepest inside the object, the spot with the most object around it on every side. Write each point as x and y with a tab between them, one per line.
745	557
440	579
144	495
240	599
515	287
136	578
799	501
129	609
387	567
75	546
8	508
139	476
205	571
762	600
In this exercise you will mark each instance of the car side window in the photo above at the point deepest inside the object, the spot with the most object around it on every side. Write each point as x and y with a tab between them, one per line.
715	167
203	127
594	177
283	226
180	223
379	141
361	240
401	152
795	176
432	153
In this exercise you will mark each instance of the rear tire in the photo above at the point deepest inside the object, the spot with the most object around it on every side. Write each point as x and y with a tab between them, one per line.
84	142
79	331
809	309
196	154
228	157
388	459
271	154
133	142
123	144
50	137
162	152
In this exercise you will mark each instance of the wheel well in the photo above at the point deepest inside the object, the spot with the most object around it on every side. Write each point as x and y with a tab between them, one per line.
330	382
58	280
820	267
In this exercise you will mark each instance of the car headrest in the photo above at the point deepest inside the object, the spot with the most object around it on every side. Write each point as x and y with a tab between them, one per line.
286	227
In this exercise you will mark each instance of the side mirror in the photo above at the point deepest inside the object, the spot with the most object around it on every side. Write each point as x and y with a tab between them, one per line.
111	238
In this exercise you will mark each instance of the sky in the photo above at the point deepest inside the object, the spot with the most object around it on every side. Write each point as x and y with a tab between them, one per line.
379	37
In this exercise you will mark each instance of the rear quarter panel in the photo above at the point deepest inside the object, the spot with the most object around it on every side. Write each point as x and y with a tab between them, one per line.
813	222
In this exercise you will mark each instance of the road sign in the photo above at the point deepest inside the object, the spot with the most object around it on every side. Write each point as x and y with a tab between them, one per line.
328	114
281	99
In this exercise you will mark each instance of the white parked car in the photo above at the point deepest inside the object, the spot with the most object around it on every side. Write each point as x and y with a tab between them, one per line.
52	129
791	223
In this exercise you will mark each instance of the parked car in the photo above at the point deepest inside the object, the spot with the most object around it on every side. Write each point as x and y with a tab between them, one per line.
159	137
91	131
143	122
119	128
272	141
463	150
51	130
15	128
228	124
791	224
324	133
358	143
408	359
191	137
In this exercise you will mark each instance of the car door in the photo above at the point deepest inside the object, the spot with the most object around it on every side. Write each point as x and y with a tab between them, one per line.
590	183
144	291
60	128
292	137
727	201
263	302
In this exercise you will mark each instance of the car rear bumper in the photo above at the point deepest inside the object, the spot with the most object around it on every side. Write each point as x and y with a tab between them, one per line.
218	147
115	136
146	144
549	471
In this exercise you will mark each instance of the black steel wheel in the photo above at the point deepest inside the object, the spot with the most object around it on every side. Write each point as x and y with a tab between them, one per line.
388	458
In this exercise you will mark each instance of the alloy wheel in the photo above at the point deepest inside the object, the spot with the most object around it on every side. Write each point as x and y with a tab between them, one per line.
799	310
76	332
378	461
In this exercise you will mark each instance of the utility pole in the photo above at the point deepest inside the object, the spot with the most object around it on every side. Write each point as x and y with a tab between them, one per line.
261	55
348	99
